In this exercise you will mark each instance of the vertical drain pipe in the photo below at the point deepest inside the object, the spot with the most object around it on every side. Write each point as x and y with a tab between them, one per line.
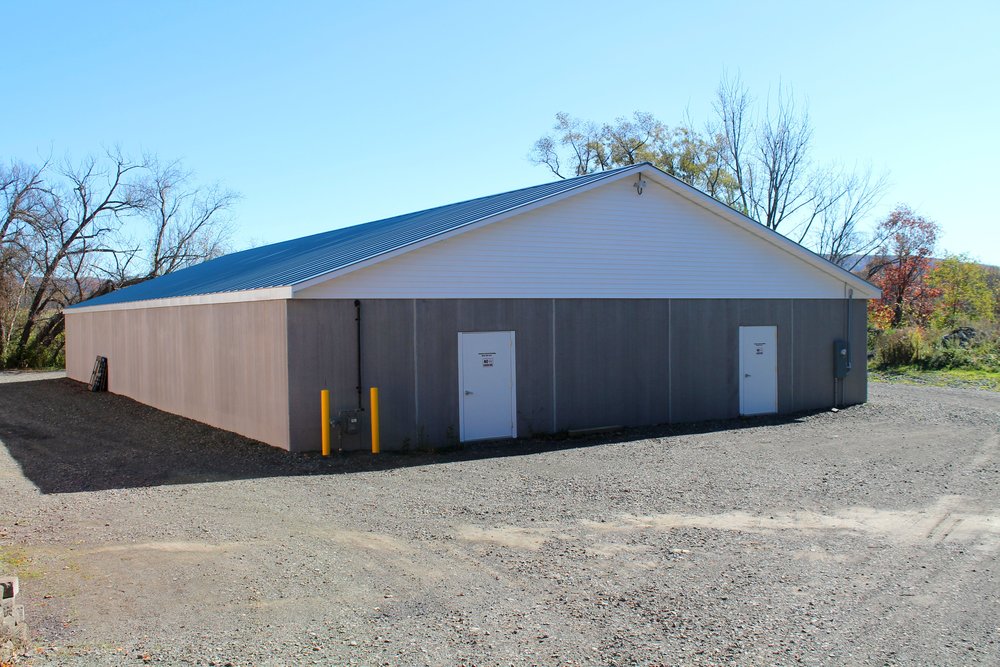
357	320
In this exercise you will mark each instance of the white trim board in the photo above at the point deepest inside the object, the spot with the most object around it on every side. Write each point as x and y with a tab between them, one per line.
265	294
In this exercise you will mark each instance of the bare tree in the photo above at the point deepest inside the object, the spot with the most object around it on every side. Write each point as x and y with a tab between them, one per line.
768	155
181	225
68	236
20	187
784	186
841	207
733	109
21	195
76	221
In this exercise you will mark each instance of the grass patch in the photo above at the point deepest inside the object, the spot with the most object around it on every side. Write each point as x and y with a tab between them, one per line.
951	377
17	562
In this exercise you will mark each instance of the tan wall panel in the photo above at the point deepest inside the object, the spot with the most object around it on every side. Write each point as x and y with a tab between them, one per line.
221	364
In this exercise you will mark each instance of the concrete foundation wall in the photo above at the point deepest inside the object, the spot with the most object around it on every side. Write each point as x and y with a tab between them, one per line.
221	364
581	363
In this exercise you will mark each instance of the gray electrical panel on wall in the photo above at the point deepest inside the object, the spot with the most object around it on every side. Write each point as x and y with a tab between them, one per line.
841	358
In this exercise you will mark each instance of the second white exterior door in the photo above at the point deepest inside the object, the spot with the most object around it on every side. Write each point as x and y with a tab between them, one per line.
486	385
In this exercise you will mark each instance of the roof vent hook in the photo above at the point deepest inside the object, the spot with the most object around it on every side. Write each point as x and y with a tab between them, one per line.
639	184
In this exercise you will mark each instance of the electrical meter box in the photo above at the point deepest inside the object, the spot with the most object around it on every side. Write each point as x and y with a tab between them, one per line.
841	358
349	421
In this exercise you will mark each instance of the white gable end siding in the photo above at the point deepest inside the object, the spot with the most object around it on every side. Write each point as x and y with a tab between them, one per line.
605	243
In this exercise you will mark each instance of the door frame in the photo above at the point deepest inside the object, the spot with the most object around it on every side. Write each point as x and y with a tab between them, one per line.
513	382
741	371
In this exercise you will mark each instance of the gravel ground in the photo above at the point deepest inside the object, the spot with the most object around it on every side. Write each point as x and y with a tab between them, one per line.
866	536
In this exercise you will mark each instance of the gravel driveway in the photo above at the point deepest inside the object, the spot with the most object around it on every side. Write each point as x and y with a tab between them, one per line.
29	376
866	536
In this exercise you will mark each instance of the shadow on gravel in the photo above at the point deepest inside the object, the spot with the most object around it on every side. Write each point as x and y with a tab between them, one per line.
67	439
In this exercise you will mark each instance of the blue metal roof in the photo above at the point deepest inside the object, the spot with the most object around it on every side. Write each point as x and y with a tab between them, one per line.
292	262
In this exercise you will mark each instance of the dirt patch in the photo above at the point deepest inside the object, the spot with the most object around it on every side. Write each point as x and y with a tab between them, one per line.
867	536
939	522
507	536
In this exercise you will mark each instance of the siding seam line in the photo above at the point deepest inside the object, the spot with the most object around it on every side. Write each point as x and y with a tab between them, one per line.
670	362
791	341
416	372
555	420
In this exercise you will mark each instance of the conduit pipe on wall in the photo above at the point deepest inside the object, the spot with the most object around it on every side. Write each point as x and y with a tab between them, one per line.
850	300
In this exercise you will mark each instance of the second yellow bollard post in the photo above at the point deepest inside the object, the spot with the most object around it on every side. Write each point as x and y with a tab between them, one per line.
324	409
376	446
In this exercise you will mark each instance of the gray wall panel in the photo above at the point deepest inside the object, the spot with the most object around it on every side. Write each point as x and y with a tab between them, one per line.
819	322
533	327
437	368
856	384
628	362
703	341
612	365
438	324
321	355
388	363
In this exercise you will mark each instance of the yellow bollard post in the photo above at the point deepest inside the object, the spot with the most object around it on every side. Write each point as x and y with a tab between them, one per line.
376	446
324	409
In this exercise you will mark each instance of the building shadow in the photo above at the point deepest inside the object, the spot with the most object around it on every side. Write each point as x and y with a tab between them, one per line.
67	440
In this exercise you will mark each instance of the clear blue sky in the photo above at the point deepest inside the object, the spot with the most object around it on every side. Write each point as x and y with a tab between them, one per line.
327	114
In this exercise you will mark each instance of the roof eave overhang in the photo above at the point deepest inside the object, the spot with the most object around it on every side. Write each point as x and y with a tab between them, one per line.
262	294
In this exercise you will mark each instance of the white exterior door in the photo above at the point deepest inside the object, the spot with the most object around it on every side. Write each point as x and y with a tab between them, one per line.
486	385
758	370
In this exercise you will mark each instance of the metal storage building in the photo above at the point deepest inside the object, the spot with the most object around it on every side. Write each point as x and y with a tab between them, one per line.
623	297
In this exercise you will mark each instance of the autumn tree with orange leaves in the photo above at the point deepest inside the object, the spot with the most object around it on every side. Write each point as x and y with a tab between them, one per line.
900	268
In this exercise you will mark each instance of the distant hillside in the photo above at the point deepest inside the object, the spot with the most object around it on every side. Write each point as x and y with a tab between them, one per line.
863	262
